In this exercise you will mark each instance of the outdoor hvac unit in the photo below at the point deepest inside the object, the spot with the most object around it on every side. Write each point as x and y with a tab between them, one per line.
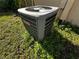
38	19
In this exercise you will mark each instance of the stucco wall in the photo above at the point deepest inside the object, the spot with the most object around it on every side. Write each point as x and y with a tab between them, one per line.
73	16
48	2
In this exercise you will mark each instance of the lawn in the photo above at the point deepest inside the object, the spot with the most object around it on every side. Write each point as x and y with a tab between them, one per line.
17	43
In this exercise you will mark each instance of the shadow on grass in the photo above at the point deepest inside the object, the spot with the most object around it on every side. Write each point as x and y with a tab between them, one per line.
10	13
59	47
69	25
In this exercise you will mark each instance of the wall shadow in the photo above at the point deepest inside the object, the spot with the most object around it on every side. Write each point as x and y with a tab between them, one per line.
60	47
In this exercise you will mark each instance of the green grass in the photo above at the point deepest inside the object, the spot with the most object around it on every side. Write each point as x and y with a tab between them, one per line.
17	43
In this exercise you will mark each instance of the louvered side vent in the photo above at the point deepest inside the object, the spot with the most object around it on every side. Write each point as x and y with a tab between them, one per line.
30	24
48	24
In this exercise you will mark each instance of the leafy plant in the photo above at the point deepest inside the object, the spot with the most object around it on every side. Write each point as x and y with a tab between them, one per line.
3	4
14	4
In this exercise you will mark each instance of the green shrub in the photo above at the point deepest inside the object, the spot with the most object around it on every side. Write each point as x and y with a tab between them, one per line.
3	3
15	4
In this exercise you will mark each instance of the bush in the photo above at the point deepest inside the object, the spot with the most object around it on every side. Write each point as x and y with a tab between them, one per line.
3	4
15	4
